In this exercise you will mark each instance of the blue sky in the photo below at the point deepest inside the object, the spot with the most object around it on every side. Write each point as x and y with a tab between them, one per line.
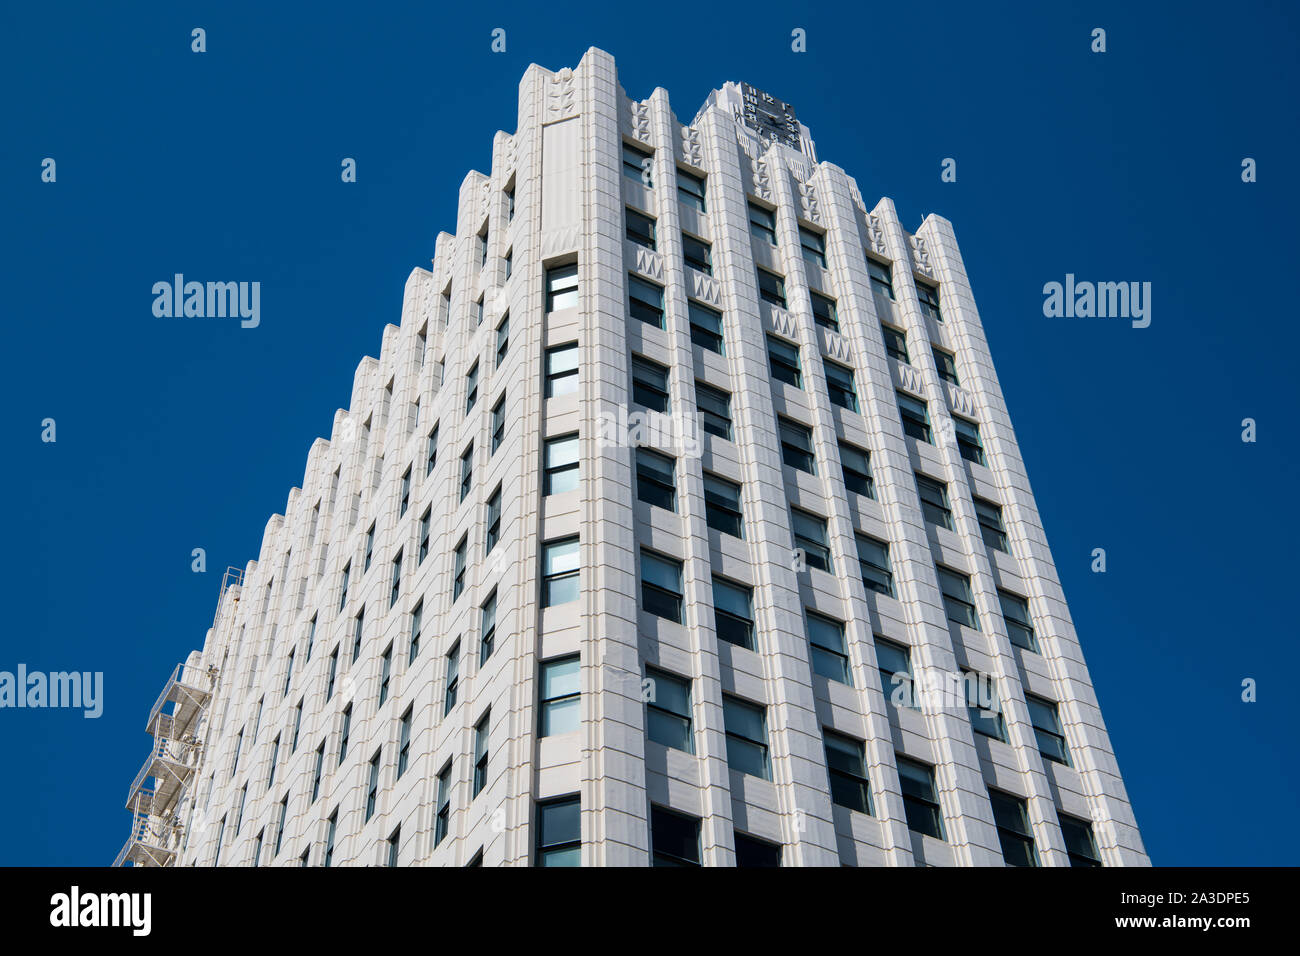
174	434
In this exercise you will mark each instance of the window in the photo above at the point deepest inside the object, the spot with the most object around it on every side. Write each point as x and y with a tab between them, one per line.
714	406
498	423
279	828
562	370
873	558
733	613
442	823
503	339
559	832
417	622
920	798
881	283
358	628
674	838
329	838
483	246
839	384
394	841
344	733
493	533
929	299
762	224
751	852
559	571
562	287
372	791
560	472
319	772
1079	842
275	754
1013	829
706	326
466	471
640	229
343	586
722	505
649	384
297	723
796	445
668	711
396	589
510	202
968	440
1020	627
646	301
480	755
934	501
771	288
453	679
311	642
813	247
431	452
1047	729
471	384
288	675
561	697
690	190
828	656
947	366
855	464
846	764
333	673
661	586
636	165
895	343
958	601
895	664
257	847
983	707
655	482
370	547
385	674
697	254
810	537
306	854
916	421
404	742
824	313
746	728
426	522
783	361
990	519
239	817
487	627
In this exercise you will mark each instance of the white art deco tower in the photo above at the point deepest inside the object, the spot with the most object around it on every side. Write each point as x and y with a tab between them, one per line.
680	521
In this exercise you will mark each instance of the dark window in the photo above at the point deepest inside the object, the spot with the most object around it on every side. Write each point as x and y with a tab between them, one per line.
796	445
487	628
559	832
655	479
674	837
847	766
916	421
481	730
929	299
714	406
771	288
856	466
824	313
431	451
1020	627
746	727
697	254
934	501
471	388
733	613
649	384
493	533
691	191
829	659
983	707
946	365
968	440
706	327
762	223
637	165
881	283
894	662
1013	829
752	852
503	339
442	822
668	711
1079	842
958	600
813	247
646	301
722	510
466	471
840	386
991	528
895	343
498	423
661	586
1047	729
453	679
920	798
640	229
810	537
873	559
458	570
783	361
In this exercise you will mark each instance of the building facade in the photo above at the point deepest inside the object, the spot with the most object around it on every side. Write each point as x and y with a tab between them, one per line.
680	521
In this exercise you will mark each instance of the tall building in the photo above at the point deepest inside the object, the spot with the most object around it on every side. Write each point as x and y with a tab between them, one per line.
680	521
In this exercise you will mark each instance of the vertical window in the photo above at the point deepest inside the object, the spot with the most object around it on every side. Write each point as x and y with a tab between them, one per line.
426	523
358	628
881	283
796	445
318	773
370	548
829	659
824	313
466	471
1079	842
958	601
873	559
929	299
690	190
762	224
560	472
471	381
417	622
385	673
431	451
920	797
895	664
510	202
510	262
812	245
493	534
946	365
561	697
674	838
746	728
372	790
783	361
442	823
840	386
771	288
562	287
498	423
1012	820
640	229
503	339
405	499
288	675
453	679
559	832
279	827
404	742
560	571
668	711
934	501
661	586
221	836
394	842
239	817
637	165
855	464
1047	729
483	247
714	406
646	302
1020	627
706	326
306	854
333	674
655	481
275	755
257	847
968	440
846	764
297	725
697	254
916	420
810	538
396	589
895	343
343	587
983	707
487	627
991	528
649	384
722	510
733	613
751	852
562	370
481	754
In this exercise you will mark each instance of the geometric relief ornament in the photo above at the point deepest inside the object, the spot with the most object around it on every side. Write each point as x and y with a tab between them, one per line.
808	203
692	148
561	96
921	257
641	121
762	179
875	234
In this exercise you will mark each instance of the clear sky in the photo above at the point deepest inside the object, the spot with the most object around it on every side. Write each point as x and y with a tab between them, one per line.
177	434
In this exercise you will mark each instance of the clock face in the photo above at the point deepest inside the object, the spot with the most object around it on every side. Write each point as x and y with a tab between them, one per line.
770	118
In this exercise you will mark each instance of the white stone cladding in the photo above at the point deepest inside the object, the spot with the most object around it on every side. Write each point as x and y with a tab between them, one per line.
565	164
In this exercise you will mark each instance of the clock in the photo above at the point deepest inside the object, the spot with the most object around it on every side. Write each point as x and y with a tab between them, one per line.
772	119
